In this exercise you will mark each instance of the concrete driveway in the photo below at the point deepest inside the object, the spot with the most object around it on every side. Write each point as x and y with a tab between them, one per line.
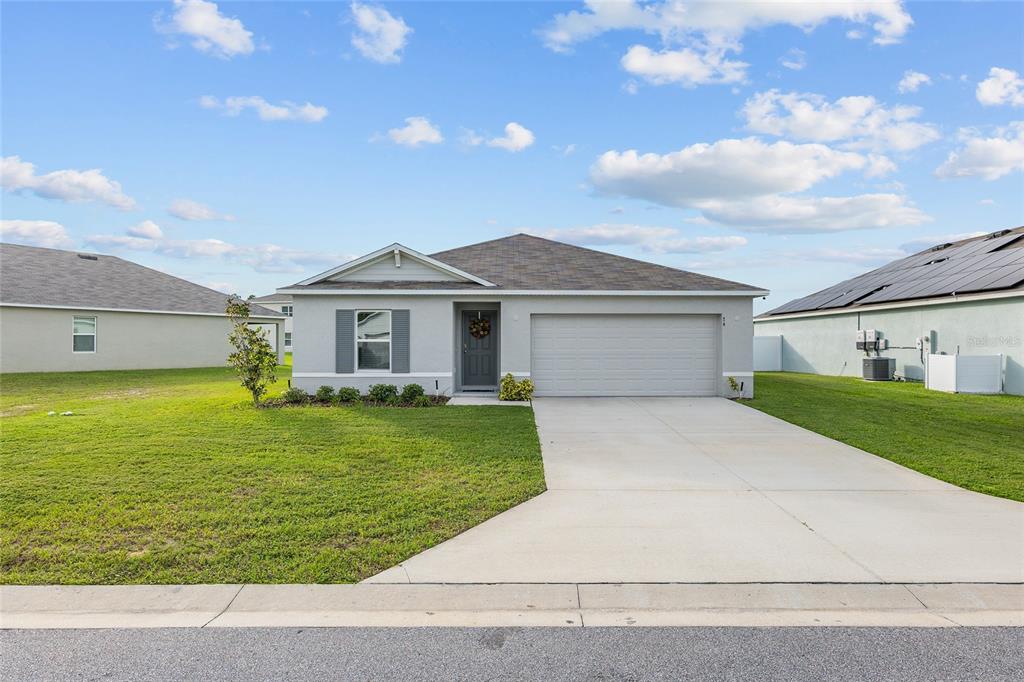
708	490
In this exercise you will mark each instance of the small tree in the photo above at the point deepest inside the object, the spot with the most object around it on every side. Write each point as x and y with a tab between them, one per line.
254	359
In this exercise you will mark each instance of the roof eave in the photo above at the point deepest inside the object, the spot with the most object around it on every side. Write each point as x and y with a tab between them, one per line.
313	291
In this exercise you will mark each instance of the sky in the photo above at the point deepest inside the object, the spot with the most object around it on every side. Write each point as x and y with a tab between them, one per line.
247	146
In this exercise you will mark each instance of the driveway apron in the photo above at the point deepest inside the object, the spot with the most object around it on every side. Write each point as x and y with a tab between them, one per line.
706	490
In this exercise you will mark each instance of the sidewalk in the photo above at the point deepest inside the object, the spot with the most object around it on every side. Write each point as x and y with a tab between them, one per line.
476	605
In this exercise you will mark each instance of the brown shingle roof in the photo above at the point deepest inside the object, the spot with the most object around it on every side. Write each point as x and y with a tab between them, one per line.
526	262
31	275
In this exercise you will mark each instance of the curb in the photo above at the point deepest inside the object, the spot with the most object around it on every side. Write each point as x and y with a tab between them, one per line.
513	605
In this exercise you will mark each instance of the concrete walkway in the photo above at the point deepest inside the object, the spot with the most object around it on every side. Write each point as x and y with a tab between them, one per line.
665	490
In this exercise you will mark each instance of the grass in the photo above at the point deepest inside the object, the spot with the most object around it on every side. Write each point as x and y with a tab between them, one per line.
973	441
172	477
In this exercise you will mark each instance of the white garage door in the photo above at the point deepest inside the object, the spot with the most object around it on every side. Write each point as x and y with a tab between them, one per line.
621	355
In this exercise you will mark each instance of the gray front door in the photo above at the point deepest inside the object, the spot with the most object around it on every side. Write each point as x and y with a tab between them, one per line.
479	349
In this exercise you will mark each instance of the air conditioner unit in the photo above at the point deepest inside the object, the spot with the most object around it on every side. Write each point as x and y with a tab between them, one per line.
878	369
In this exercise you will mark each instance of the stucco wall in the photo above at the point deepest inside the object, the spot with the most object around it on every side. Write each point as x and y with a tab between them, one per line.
39	340
432	331
825	344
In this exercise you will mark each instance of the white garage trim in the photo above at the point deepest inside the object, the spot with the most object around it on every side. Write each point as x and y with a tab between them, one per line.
625	354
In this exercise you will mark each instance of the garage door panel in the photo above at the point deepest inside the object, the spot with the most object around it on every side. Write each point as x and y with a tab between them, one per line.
625	354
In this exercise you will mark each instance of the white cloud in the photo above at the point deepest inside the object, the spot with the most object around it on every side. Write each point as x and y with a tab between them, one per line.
380	37
147	229
697	244
67	185
649	238
987	202
858	122
285	111
516	138
186	209
795	59
686	67
148	237
720	21
418	130
565	150
748	184
696	37
44	233
778	214
989	158
211	32
725	169
1003	86
912	81
866	256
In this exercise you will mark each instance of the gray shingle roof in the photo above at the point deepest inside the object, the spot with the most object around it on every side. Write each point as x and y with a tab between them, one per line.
51	277
525	262
991	262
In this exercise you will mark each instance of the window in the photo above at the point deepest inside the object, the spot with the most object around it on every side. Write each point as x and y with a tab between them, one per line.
287	310
373	340
287	339
83	335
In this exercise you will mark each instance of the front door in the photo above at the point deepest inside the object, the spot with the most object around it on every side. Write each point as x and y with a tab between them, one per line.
479	349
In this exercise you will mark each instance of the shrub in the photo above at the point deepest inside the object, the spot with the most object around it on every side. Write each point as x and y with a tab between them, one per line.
325	394
347	394
294	395
422	401
383	393
411	392
511	389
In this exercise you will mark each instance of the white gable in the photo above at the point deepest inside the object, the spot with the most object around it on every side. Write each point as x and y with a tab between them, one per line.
388	268
395	263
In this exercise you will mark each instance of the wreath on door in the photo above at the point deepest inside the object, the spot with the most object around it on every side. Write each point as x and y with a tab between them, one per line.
479	327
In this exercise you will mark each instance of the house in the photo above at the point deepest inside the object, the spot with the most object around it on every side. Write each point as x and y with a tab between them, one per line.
65	311
281	303
578	322
964	297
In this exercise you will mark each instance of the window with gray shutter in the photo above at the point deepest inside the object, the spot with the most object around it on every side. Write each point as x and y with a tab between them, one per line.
344	341
400	341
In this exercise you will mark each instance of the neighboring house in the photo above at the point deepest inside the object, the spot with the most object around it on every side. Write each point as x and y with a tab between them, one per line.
281	303
965	297
577	321
64	311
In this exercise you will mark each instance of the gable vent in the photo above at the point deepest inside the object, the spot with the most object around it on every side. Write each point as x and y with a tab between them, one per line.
86	256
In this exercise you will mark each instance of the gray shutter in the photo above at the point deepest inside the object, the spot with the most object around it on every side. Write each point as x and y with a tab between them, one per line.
400	341
344	341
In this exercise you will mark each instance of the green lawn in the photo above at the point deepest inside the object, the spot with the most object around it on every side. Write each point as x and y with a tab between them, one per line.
172	477
973	441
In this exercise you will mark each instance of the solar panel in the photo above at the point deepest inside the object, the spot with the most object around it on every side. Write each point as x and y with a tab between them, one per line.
984	264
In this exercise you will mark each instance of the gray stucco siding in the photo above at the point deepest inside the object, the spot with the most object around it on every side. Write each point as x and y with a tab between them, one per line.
39	340
432	328
825	344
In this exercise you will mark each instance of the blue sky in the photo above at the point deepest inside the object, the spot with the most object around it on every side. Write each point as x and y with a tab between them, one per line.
248	145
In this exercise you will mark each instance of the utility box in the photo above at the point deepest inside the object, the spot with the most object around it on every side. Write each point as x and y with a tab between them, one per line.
878	369
965	373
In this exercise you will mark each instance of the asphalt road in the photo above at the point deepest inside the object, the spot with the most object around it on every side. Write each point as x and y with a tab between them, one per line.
513	653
